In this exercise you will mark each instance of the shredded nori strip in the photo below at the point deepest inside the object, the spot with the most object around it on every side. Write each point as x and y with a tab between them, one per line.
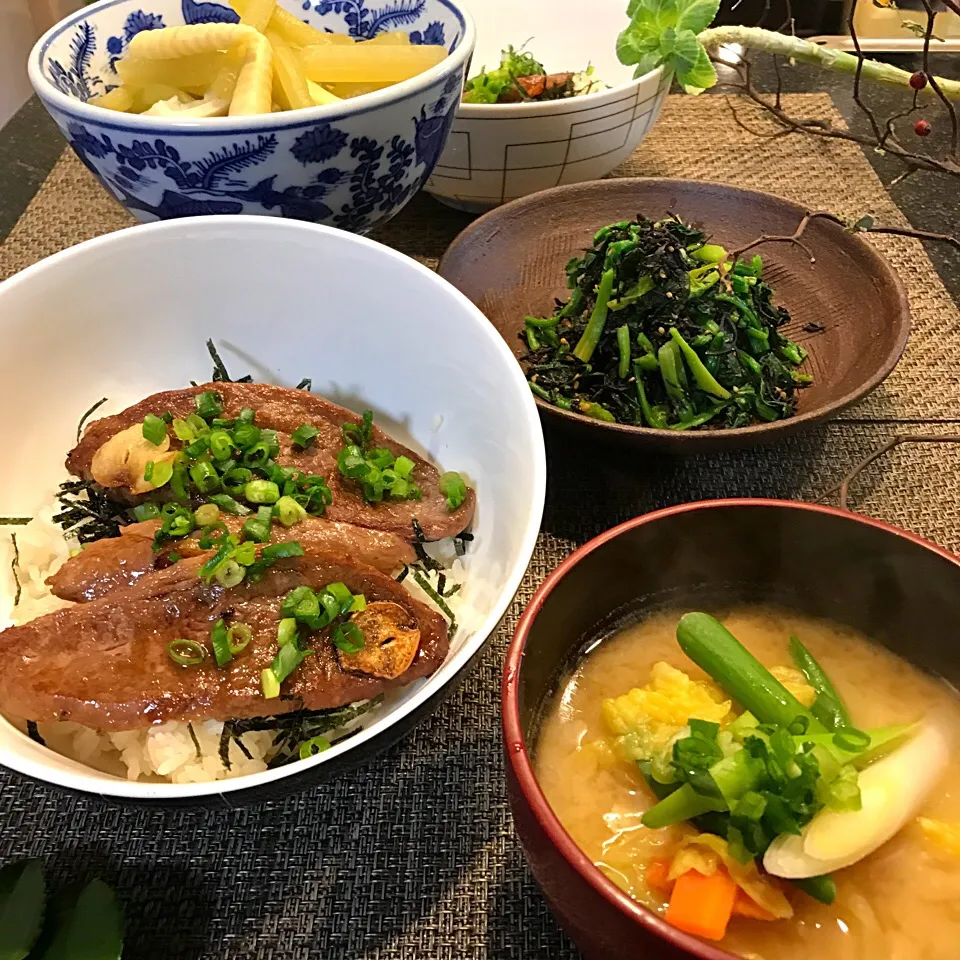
33	732
418	541
225	746
88	512
402	575
424	584
15	568
220	374
305	384
196	742
83	419
14	521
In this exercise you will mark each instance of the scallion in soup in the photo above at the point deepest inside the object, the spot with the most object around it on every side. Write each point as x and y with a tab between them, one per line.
774	783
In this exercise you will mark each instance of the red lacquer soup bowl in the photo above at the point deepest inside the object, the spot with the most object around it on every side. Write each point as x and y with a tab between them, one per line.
901	591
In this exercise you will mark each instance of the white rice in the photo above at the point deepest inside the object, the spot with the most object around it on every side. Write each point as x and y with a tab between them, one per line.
167	752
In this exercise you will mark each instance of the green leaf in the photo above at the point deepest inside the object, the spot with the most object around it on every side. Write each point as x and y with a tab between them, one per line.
697	15
701	76
686	51
22	903
92	929
648	62
864	223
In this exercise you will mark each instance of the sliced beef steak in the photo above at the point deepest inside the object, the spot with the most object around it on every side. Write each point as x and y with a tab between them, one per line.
285	410
105	663
105	565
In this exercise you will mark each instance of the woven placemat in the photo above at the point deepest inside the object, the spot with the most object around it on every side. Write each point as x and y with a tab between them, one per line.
414	858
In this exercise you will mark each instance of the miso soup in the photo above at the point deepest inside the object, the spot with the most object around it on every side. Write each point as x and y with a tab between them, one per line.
620	727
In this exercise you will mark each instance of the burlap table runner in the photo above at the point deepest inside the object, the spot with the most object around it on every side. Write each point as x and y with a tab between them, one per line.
414	858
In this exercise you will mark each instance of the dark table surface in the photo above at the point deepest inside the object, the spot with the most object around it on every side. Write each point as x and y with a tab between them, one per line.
183	910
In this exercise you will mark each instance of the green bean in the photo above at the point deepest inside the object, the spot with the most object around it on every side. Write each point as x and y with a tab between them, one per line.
541	321
644	341
683	804
591	335
623	347
699	419
648	363
538	391
746	311
572	306
532	342
714	649
822	888
704	378
828	708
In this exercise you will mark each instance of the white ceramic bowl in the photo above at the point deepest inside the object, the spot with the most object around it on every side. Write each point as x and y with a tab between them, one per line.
351	164
498	152
127	314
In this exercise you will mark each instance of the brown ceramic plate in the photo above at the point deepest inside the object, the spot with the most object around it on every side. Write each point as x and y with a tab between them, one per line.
510	263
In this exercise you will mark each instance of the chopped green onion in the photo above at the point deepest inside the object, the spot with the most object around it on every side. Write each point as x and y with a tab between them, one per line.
178	483
289	512
230	574
236	478
183	431
217	560
199	426
221	445
148	471
160	472
304	435
209	405
188	653
246	435
154	429
301	602
245	554
228	505
347	637
270	684
313	746
341	593
281	551
198	448
146	511
288	658
238	637
207	514
258	528
261	491
453	488
258	456
287	631
246	415
221	643
205	477
851	739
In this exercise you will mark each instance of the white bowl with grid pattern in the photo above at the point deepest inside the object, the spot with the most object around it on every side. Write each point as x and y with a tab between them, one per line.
499	152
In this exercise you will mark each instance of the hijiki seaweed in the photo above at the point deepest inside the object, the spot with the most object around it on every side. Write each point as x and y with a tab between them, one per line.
667	331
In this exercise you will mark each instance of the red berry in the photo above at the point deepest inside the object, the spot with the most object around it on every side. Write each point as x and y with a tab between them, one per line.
922	128
918	80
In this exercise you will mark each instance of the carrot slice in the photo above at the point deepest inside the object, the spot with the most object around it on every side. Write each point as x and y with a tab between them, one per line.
745	906
657	876
702	905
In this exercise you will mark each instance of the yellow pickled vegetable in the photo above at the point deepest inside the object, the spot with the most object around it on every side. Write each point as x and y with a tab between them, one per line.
257	14
225	81
321	95
294	31
289	84
344	91
120	98
253	92
199	70
367	62
146	96
944	835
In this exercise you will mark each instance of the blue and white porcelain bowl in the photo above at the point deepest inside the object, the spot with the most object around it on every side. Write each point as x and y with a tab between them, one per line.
350	165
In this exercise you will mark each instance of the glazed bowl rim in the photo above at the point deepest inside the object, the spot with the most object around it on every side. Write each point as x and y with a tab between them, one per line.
288	119
514	743
467	316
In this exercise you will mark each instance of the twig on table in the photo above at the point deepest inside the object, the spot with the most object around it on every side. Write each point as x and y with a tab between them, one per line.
15	570
843	487
932	79
857	99
864	225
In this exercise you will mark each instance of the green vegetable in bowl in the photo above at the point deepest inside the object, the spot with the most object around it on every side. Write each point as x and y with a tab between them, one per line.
522	78
664	330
